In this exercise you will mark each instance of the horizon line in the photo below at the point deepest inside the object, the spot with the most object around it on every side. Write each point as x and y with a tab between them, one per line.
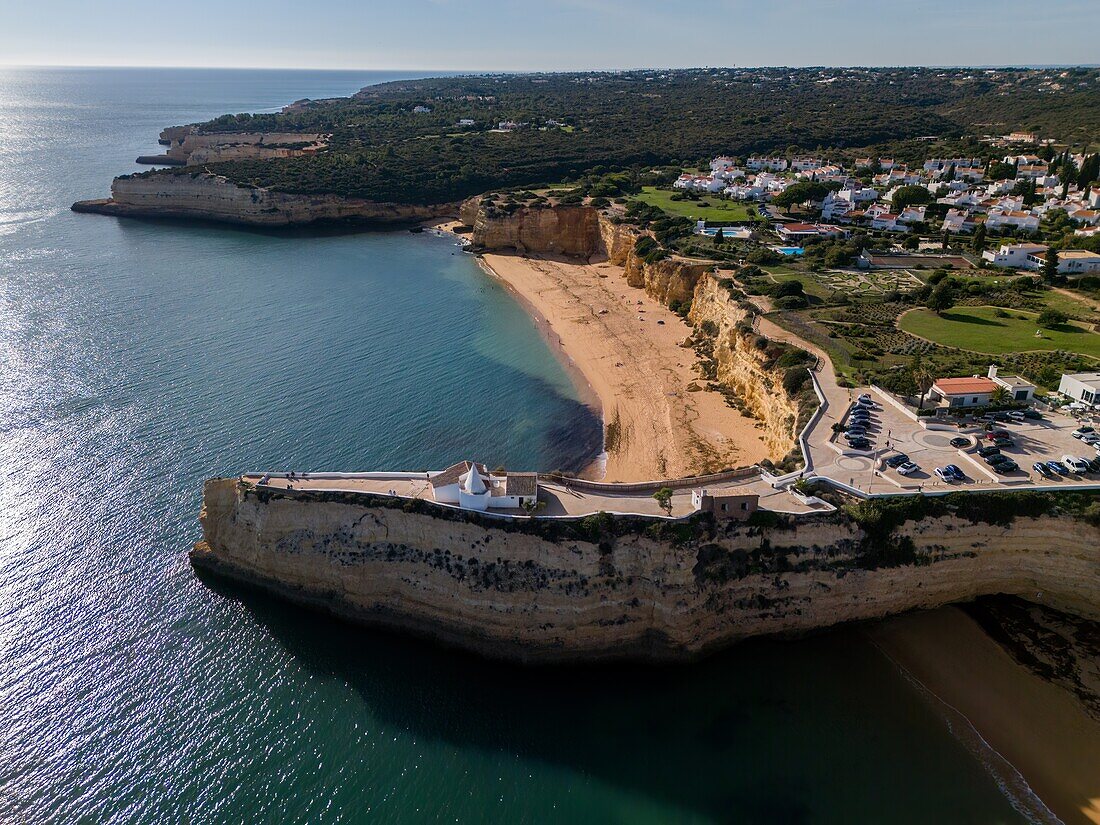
982	66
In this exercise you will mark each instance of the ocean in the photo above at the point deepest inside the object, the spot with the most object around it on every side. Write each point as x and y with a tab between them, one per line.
138	358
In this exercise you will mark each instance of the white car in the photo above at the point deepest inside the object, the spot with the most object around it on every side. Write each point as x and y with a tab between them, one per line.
908	468
1090	438
1016	415
1078	465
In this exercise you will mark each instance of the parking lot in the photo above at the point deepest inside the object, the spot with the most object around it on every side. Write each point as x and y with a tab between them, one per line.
890	431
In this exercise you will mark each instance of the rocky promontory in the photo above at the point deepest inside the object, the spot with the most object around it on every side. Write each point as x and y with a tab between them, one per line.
202	195
608	587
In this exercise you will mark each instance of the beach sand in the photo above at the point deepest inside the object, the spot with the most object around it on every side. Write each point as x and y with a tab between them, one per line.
1037	728
609	333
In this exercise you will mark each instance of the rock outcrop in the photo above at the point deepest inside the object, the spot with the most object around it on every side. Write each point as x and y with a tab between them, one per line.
560	230
742	367
202	195
187	145
616	588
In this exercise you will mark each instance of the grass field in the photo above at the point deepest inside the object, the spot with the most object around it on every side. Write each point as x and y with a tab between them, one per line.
980	330
708	207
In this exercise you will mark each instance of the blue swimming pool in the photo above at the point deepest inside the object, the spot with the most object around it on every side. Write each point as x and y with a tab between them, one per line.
789	250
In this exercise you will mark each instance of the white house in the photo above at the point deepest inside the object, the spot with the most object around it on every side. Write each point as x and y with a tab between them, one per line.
421	110
1081	386
959	221
1023	221
964	392
1018	389
1014	255
472	487
1070	262
758	164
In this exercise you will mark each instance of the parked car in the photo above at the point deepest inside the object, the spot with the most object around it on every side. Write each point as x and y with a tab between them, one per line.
1077	465
1016	415
1058	467
895	461
995	459
865	400
1082	430
988	450
1090	438
1033	415
960	443
992	434
1042	469
1002	442
950	473
1094	464
859	444
855	432
908	468
1006	466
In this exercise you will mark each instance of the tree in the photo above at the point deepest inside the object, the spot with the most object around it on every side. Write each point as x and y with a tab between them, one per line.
922	377
945	241
800	193
1050	265
719	238
977	243
1090	171
1051	318
905	196
942	298
663	498
999	395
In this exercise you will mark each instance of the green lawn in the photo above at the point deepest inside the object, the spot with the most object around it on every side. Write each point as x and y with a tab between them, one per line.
713	208
980	330
810	285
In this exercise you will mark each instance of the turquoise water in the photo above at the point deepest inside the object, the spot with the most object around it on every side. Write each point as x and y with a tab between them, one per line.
789	250
138	358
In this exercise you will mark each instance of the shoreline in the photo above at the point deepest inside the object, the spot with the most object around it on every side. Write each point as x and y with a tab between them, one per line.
1034	737
596	469
626	351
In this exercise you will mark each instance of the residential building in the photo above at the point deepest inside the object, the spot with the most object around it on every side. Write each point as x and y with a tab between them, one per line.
1018	389
964	392
1015	255
1022	221
1070	262
757	164
1081	386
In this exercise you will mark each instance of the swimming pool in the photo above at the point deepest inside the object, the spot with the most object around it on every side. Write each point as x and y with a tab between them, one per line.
789	250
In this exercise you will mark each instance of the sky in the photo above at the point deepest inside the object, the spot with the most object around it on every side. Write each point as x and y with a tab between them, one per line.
528	35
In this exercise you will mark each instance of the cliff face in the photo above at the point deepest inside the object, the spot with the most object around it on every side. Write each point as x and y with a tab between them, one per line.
189	146
561	230
672	281
741	366
649	593
208	196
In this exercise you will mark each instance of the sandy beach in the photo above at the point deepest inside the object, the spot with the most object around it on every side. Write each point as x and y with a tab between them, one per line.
1012	719
659	418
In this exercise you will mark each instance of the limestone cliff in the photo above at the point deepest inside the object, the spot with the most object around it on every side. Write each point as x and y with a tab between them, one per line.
560	230
618	588
188	145
742	367
207	196
584	231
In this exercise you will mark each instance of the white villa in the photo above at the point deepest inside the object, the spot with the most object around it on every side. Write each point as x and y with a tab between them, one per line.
473	487
1016	255
1070	262
1082	386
